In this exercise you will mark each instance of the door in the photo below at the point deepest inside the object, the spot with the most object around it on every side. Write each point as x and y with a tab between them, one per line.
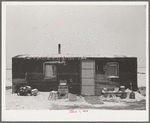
88	77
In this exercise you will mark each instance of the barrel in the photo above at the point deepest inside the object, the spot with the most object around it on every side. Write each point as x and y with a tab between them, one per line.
122	88
123	95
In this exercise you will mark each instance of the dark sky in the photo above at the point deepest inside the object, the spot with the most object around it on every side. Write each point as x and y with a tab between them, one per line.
81	29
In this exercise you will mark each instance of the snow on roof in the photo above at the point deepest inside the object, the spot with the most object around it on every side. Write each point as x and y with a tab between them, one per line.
21	56
70	55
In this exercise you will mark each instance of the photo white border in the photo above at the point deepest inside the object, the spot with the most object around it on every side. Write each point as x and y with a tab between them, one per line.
64	115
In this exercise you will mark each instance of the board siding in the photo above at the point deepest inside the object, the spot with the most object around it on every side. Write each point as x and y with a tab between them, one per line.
87	77
88	90
88	82
88	73
88	65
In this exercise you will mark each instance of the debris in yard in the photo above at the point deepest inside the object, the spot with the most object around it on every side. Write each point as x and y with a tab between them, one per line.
34	92
142	90
53	95
40	102
93	100
122	88
111	99
132	94
138	97
78	99
24	91
8	87
63	89
72	97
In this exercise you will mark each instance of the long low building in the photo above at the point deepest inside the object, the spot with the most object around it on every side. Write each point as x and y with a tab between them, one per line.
87	75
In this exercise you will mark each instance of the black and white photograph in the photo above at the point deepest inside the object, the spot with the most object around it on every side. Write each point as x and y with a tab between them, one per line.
75	61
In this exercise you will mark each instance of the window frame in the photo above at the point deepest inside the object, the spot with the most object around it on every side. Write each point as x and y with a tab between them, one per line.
52	64
111	64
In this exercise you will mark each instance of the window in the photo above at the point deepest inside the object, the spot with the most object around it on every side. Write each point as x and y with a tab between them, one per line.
112	70
50	71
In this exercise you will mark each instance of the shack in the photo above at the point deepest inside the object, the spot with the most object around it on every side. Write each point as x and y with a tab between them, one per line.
87	75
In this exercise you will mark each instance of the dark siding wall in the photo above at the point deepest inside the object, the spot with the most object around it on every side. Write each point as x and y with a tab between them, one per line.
18	73
18	68
22	66
34	65
127	74
34	69
127	70
71	72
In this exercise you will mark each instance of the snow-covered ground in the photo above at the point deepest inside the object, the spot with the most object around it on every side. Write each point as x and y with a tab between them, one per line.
41	102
